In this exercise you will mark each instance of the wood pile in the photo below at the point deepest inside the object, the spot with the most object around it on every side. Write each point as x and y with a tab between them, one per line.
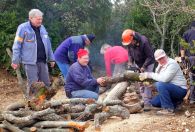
40	114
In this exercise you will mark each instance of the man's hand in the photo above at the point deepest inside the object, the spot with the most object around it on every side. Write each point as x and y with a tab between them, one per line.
142	69
15	66
145	75
52	63
101	81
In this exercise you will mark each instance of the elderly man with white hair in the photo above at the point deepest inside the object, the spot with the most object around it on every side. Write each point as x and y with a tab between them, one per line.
32	48
171	83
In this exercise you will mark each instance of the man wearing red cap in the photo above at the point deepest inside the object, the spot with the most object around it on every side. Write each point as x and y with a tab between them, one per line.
79	82
171	83
66	52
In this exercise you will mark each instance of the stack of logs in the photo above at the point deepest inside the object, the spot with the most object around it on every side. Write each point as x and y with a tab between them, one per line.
41	114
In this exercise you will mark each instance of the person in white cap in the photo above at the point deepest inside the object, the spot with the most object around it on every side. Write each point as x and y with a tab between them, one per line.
171	83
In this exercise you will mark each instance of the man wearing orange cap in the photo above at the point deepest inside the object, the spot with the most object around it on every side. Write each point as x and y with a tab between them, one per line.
79	82
141	55
171	83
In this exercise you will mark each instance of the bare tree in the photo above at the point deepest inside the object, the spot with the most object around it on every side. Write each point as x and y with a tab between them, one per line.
169	17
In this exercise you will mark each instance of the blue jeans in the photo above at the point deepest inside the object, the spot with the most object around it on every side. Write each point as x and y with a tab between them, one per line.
89	92
63	68
169	95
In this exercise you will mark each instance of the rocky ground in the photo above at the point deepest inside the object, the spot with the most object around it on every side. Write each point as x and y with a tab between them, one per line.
140	122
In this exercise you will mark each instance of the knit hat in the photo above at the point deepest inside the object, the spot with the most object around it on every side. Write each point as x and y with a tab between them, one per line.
91	37
82	52
159	53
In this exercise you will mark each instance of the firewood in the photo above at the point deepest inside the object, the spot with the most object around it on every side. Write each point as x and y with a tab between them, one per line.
62	124
11	127
118	111
34	129
108	112
115	79
70	108
50	117
21	112
117	92
68	101
99	118
1	117
90	110
15	106
126	76
134	108
112	102
28	120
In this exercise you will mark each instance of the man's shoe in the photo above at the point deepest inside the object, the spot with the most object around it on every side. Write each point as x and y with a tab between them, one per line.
169	112
148	107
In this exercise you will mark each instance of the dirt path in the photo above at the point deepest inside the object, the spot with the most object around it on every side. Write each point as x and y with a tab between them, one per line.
141	122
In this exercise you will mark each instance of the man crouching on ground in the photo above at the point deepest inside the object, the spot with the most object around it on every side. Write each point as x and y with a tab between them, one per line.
79	82
171	83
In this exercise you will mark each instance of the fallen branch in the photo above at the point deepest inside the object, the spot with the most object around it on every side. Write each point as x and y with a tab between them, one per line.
18	73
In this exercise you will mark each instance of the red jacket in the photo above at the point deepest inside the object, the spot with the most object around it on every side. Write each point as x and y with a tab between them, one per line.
114	55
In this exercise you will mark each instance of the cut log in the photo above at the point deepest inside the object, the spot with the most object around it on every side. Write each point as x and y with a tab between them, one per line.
28	120
11	127
68	101
48	130
62	124
108	112
16	106
117	92
134	108
126	76
118	111
99	118
90	110
50	117
115	79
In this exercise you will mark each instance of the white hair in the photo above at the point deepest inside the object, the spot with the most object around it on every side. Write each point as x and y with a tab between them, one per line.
35	12
104	47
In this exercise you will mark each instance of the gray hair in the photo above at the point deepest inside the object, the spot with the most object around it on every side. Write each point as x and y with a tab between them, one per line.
35	12
104	47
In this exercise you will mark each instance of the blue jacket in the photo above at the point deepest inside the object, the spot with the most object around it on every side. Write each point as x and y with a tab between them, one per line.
79	77
25	45
66	52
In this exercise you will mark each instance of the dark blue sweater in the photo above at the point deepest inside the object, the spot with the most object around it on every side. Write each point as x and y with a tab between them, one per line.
79	77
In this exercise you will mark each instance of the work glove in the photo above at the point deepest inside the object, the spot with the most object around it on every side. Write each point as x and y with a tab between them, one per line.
145	75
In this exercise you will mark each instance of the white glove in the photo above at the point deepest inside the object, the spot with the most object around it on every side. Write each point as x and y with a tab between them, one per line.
145	75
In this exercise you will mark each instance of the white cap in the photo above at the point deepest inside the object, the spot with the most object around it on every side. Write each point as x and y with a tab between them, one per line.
159	53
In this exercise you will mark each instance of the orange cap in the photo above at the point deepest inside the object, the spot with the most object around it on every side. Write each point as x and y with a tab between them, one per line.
127	36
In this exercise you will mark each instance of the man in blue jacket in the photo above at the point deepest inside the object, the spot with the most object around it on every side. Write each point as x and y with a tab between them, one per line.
66	52
79	82
32	48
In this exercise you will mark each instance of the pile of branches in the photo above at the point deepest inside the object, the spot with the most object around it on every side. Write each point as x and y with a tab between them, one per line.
41	114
